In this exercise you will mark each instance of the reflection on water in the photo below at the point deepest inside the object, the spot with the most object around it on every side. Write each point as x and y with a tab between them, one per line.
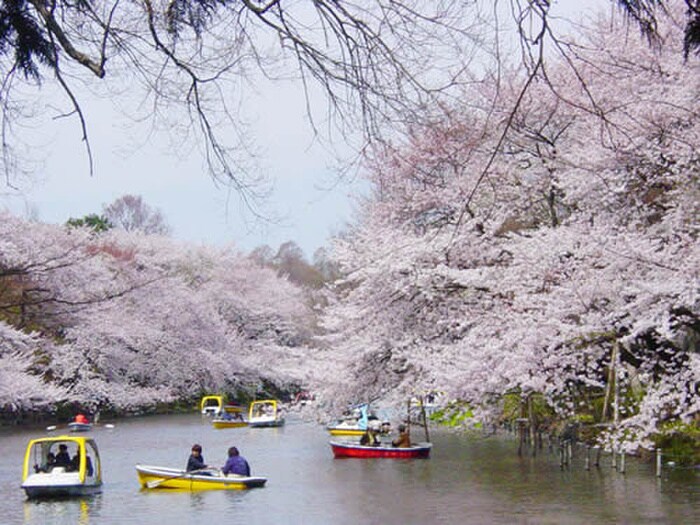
466	480
62	510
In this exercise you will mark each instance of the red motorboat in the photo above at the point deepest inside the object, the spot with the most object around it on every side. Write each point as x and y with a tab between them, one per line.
344	449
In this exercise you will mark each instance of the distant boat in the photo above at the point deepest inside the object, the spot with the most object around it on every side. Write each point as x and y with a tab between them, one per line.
80	424
74	426
345	428
43	477
343	449
355	422
151	477
265	413
232	419
216	406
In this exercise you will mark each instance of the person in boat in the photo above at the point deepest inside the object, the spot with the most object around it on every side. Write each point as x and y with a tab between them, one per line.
403	440
75	464
50	463
369	438
80	418
196	460
63	458
236	464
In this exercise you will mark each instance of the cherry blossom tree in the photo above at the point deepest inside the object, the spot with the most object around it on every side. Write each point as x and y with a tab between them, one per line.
557	257
124	321
130	213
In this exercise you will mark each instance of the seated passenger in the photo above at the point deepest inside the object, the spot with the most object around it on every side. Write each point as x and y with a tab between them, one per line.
236	464
46	467
196	460
369	438
75	462
403	440
62	458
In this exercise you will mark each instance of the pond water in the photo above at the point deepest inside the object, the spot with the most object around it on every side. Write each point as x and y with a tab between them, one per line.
466	480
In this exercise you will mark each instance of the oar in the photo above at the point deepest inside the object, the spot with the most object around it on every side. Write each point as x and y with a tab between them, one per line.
156	482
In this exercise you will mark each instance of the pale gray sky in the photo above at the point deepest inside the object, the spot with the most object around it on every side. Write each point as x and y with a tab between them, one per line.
307	194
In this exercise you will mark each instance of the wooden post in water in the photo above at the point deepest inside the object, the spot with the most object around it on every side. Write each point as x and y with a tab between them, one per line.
564	453
408	417
588	457
561	455
425	419
658	462
622	462
521	428
531	423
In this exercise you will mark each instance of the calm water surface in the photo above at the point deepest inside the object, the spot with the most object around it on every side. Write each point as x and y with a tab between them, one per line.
466	480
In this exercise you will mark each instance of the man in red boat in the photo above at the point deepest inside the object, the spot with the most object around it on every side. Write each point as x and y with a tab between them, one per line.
236	464
403	440
80	418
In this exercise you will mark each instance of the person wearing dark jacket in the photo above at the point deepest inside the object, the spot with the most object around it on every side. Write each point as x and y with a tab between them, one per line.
196	460
236	464
63	458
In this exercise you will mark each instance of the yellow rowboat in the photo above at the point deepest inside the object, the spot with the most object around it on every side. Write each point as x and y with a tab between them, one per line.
231	417
228	423
61	466
151	477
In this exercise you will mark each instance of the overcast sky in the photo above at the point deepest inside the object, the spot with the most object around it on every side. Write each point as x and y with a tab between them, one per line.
308	197
307	193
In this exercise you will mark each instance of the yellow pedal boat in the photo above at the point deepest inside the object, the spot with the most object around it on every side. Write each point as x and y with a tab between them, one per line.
265	413
151	477
61	466
217	406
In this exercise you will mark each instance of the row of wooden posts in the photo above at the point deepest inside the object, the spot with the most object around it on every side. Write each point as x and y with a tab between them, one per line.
529	435
618	458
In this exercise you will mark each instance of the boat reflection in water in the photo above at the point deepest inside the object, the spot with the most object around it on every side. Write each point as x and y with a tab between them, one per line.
57	510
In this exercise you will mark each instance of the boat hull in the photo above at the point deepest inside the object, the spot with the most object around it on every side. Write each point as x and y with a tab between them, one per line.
340	431
174	479
261	423
220	423
79	427
353	450
58	491
59	485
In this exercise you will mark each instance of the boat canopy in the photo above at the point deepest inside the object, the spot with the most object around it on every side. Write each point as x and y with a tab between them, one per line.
216	402
263	407
81	448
